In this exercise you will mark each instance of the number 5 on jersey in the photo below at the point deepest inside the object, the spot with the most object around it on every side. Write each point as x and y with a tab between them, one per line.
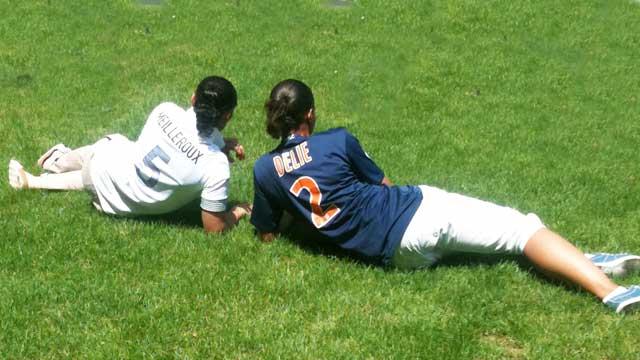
319	217
148	171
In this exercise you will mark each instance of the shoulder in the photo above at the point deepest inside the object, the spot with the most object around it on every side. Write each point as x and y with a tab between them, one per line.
263	165
337	132
215	164
335	135
337	138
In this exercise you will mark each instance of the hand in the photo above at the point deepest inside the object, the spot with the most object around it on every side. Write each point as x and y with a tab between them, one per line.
241	210
232	144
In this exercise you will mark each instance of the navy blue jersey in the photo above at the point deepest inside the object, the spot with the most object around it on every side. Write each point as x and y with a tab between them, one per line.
331	182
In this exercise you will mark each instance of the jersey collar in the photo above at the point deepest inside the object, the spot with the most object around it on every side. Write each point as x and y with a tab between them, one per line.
292	140
216	138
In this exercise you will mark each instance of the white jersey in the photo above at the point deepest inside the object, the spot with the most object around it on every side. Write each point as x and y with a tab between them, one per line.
167	167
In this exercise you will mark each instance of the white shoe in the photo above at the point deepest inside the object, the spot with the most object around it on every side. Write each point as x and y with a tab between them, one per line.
48	159
17	176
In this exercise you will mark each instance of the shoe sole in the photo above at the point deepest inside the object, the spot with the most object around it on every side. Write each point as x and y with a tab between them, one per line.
623	268
16	170
629	307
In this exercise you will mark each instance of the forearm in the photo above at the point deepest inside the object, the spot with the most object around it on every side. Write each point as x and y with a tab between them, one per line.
231	219
217	222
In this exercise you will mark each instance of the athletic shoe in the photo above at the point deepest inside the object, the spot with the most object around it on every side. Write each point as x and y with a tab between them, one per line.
47	159
17	176
616	264
624	300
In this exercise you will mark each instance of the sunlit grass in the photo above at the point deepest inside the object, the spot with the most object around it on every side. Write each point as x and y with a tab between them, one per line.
529	104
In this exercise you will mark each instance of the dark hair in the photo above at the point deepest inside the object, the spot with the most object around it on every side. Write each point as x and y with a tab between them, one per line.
289	102
215	96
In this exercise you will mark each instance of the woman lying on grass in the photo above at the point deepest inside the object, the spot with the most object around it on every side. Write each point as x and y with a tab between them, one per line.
329	181
179	156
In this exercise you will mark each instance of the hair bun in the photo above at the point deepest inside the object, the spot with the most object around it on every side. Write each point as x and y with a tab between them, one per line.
214	96
286	107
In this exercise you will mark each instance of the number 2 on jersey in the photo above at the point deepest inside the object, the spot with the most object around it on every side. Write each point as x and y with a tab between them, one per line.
319	217
150	178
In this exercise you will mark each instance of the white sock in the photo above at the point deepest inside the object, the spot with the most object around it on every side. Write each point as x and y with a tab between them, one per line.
71	180
619	290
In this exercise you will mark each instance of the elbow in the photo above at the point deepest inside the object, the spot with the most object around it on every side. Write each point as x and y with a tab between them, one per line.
217	222
214	229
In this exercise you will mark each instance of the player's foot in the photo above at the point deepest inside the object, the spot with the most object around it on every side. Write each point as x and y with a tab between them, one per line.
49	158
624	300
616	264
17	176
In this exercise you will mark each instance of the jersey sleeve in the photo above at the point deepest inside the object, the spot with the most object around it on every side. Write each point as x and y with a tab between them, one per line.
214	192
364	167
266	214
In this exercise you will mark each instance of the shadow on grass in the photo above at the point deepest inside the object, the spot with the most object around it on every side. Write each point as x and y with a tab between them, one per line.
189	216
315	243
311	241
470	260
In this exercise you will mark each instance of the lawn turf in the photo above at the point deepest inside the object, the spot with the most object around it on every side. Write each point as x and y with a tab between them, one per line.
529	104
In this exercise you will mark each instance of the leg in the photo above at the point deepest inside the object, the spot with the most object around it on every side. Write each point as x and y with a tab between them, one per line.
20	179
482	227
448	224
60	160
51	155
67	167
452	224
555	255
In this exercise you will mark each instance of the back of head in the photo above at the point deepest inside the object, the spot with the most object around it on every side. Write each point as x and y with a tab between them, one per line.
214	97
289	102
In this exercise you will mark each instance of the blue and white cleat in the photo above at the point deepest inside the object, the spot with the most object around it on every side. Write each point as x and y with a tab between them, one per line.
624	300
616	264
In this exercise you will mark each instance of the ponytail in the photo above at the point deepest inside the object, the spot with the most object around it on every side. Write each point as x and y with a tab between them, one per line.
279	121
207	119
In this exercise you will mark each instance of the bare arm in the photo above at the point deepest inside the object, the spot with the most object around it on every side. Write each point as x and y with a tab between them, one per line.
216	222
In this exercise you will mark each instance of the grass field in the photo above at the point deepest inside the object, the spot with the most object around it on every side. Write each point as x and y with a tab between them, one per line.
531	104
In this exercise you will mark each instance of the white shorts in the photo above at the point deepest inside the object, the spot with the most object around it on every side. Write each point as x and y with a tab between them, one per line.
448	223
87	157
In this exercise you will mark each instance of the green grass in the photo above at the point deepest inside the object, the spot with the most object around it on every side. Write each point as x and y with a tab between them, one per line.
529	104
